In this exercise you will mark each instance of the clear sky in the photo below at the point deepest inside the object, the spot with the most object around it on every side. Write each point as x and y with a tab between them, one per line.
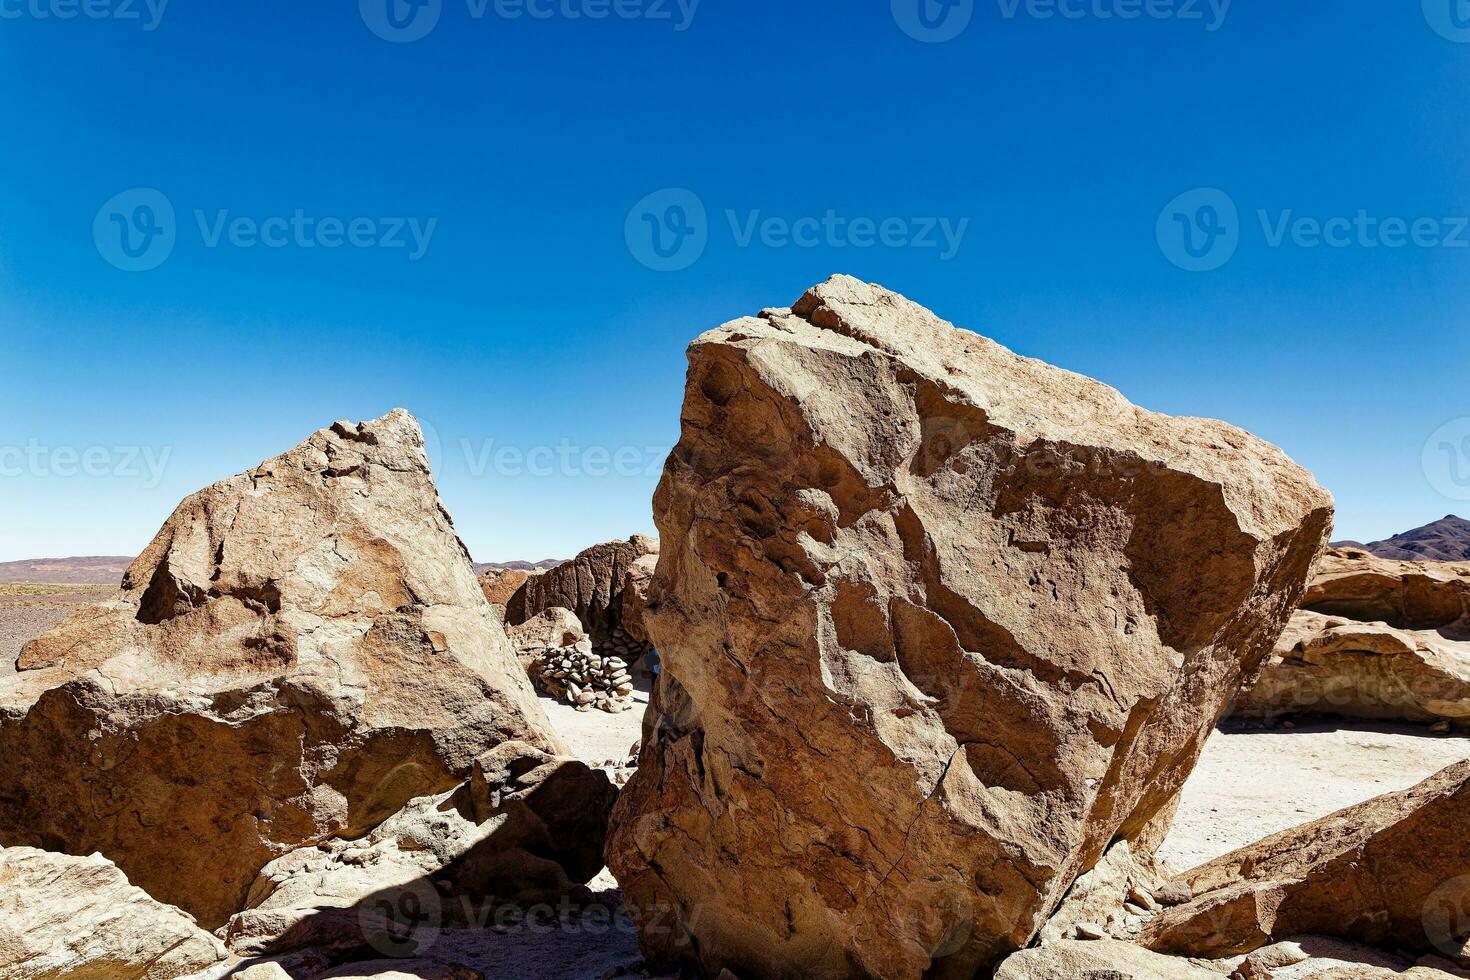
223	226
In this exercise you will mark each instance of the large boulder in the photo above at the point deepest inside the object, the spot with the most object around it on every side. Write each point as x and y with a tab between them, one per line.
1375	638
525	827
938	624
301	650
78	917
1393	872
591	586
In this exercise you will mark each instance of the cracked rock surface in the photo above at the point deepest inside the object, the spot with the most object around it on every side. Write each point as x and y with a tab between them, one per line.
938	623
301	650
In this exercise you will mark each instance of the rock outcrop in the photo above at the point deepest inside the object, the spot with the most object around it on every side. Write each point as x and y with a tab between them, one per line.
78	917
591	586
1375	638
525	827
302	650
1391	872
938	623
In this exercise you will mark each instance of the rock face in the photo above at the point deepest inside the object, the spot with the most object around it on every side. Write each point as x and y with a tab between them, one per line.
1375	638
78	917
938	624
591	586
524	827
300	651
1393	872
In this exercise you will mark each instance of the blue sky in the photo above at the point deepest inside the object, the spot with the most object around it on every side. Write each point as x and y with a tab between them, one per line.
542	338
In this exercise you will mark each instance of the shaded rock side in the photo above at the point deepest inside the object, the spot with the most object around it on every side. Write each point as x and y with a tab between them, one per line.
1375	638
590	585
938	623
1392	872
301	650
525	827
78	917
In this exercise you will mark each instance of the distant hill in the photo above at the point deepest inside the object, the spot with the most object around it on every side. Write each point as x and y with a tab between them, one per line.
1447	539
105	570
516	566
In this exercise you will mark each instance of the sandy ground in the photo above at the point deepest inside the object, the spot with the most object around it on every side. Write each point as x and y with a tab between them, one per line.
1253	782
27	611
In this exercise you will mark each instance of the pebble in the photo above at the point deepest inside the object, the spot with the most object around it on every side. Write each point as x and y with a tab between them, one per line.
1090	930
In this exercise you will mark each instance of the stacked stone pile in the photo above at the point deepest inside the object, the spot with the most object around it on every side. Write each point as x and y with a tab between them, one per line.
584	679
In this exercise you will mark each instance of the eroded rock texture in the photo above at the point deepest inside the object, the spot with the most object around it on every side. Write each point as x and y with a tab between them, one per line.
1375	638
78	917
525	827
1392	872
301	650
938	623
591	586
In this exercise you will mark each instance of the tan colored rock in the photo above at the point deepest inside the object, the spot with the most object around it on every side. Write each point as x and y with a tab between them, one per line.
554	627
635	597
1393	871
525	827
78	917
1375	638
939	623
300	651
500	587
590	585
1110	959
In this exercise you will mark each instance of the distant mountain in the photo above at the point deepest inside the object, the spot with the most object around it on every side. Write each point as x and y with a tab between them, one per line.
1447	539
105	570
516	566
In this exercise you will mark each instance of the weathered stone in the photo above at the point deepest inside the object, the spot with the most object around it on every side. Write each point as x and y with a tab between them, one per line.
1375	638
1099	960
78	917
300	651
548	630
1393	871
939	623
635	597
590	585
501	587
525	827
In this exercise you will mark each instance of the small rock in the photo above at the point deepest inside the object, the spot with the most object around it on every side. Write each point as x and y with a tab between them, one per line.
1090	930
